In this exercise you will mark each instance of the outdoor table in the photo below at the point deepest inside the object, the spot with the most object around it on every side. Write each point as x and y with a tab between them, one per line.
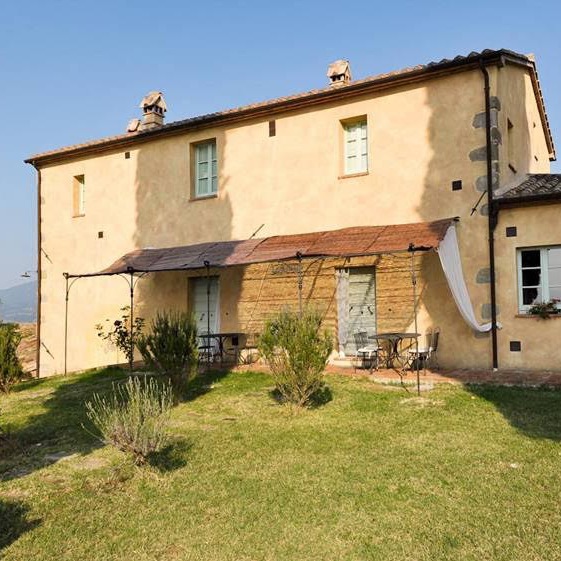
221	338
393	340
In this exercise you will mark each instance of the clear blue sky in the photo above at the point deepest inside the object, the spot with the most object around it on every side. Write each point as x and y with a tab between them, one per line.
76	70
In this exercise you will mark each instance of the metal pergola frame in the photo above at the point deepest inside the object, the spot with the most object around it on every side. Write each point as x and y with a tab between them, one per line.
132	276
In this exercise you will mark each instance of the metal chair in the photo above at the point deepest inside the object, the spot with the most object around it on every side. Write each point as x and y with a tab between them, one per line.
433	357
207	349
249	352
425	354
365	351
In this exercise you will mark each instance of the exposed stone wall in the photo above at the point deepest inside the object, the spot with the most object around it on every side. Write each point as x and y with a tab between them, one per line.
263	290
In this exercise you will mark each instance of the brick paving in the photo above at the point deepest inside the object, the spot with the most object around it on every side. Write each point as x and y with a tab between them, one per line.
528	378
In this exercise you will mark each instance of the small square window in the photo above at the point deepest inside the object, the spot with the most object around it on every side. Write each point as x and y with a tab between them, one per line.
355	147
206	169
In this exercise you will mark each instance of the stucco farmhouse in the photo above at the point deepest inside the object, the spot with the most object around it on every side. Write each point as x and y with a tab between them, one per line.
336	198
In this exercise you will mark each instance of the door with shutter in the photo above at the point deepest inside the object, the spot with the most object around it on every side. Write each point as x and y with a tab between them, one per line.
362	305
205	314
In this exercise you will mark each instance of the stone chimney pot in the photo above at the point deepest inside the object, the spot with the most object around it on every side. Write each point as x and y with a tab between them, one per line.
153	107
339	73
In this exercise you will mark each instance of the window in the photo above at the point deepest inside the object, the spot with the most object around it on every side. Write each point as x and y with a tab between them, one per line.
79	195
356	147
539	276
206	169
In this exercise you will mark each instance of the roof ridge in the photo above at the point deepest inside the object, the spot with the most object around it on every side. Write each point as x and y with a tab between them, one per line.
253	108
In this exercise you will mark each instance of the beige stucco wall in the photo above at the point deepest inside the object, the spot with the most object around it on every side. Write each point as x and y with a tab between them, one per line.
540	338
420	139
524	147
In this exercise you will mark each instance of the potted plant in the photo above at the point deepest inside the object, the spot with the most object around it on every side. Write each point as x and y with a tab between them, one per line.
545	309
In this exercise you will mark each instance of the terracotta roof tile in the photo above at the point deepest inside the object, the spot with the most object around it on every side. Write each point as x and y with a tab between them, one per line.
347	242
536	186
290	100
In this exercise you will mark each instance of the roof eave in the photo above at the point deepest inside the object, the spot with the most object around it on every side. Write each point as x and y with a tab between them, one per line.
324	96
532	200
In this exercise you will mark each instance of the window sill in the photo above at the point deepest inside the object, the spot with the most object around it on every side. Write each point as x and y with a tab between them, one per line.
203	198
351	175
536	316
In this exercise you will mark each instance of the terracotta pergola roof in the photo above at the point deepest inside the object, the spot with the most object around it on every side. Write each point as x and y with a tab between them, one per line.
537	187
312	97
347	242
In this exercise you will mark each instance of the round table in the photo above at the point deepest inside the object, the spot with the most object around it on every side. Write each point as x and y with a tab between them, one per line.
393	340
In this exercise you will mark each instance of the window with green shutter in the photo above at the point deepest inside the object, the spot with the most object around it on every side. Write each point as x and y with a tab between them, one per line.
356	147
206	169
539	276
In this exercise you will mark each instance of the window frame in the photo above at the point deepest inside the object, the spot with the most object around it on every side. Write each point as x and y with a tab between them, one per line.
211	159
79	196
360	123
544	276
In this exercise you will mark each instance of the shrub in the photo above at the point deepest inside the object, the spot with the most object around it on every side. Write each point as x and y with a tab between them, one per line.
11	371
171	347
545	309
134	418
296	349
118	333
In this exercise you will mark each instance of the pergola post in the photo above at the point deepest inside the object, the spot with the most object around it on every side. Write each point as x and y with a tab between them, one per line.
66	298
207	267
300	282
414	284
131	330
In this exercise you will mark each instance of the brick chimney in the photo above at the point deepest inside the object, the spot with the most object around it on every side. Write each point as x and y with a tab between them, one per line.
153	107
339	73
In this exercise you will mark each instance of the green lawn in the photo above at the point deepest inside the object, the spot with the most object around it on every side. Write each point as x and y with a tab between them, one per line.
465	473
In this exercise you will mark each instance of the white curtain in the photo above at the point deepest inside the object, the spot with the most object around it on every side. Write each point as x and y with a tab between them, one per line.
449	254
342	308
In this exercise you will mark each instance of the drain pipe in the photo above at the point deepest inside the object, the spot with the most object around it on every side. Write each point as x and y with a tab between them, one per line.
492	216
39	275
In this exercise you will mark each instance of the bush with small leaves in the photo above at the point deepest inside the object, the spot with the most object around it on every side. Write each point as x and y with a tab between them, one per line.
11	371
135	417
120	333
296	350
171	347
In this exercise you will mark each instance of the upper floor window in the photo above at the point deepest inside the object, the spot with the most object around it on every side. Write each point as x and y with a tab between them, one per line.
79	195
206	169
539	276
356	147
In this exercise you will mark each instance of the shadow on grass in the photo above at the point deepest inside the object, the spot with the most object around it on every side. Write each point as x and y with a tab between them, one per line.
536	412
172	457
321	397
57	431
202	384
14	522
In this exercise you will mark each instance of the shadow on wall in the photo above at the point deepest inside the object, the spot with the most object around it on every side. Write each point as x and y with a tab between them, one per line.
534	412
456	133
14	522
168	215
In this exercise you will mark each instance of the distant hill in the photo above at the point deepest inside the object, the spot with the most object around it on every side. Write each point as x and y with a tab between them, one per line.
18	304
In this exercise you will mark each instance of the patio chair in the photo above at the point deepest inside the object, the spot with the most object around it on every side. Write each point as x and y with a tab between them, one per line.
207	349
248	353
426	353
366	353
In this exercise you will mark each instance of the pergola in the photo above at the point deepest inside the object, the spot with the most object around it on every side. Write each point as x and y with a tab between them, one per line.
359	241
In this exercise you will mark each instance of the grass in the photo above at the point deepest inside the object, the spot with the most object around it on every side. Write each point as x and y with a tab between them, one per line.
376	473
